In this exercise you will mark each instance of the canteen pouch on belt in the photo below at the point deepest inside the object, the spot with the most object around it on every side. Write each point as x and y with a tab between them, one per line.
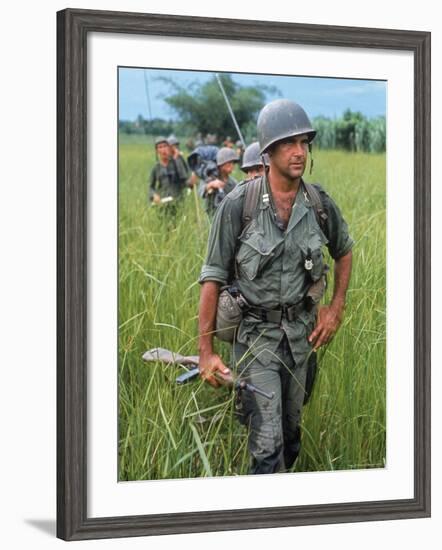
229	313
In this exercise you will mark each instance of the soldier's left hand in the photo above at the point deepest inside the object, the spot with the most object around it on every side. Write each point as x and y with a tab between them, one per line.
329	320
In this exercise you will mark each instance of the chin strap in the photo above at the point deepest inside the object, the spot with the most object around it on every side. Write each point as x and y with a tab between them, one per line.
311	158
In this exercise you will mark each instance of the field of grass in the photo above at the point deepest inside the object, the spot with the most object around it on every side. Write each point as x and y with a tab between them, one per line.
171	431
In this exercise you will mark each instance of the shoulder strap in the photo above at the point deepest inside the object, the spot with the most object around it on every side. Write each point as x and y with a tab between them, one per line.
250	203
176	174
315	199
156	175
251	199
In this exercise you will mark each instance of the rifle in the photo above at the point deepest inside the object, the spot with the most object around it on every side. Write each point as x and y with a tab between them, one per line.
227	381
190	363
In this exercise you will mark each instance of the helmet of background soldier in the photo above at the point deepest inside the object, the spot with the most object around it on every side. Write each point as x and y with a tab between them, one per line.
160	139
172	140
226	154
281	119
252	157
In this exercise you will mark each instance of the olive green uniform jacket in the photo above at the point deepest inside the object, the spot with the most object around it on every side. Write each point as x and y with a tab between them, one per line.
214	199
168	181
273	267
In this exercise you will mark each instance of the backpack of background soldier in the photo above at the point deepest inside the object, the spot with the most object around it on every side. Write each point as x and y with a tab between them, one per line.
202	161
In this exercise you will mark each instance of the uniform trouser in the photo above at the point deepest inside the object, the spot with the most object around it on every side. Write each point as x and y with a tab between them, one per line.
274	432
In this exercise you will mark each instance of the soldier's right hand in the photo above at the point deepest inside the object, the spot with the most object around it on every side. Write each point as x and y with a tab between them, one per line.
156	198
215	184
209	365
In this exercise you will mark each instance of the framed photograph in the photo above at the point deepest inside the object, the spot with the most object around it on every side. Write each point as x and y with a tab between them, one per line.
140	454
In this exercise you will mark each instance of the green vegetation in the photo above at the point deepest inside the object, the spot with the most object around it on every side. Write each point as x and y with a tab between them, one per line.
170	431
202	108
141	126
351	132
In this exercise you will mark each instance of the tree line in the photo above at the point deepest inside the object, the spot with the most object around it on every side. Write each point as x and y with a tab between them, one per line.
201	110
351	132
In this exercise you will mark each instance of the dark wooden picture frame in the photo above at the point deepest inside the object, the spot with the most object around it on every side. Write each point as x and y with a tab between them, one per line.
73	27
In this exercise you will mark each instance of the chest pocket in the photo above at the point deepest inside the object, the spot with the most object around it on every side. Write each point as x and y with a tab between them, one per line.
311	248
254	253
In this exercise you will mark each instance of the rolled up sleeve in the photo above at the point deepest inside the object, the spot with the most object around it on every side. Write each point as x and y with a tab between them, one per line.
213	273
340	241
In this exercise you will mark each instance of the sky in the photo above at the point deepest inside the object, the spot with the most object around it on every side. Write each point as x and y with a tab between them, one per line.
329	97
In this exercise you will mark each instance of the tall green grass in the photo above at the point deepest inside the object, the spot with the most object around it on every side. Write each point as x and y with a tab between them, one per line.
171	431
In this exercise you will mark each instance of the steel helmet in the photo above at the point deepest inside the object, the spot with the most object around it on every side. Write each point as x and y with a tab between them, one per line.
160	139
252	157
172	140
225	154
281	119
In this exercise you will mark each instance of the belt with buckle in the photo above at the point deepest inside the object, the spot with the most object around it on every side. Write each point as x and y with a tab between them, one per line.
277	315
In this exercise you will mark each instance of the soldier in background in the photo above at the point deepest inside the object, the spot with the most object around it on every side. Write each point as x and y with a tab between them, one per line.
219	182
228	142
178	157
168	178
252	162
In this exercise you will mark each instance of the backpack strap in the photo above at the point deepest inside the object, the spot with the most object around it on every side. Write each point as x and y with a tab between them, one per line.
156	176
251	200
250	204
315	199
254	190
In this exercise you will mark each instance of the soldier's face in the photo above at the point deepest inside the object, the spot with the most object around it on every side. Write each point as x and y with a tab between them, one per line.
255	171
227	168
289	156
163	150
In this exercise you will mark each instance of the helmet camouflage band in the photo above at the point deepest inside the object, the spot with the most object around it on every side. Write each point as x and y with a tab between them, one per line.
252	157
281	119
225	154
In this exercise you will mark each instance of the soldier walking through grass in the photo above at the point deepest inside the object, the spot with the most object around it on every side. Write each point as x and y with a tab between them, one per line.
180	161
274	261
219	184
168	178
